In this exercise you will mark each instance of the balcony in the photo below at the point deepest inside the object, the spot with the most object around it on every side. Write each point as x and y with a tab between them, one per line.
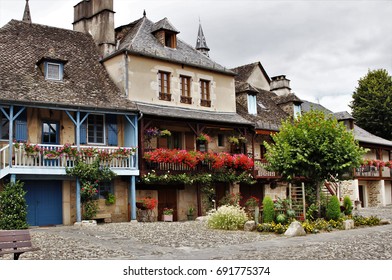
261	170
54	159
373	172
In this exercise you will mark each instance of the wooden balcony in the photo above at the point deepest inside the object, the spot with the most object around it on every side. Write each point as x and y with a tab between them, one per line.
373	172
261	171
174	168
48	159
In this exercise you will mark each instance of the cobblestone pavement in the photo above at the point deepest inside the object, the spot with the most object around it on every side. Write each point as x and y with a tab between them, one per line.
193	240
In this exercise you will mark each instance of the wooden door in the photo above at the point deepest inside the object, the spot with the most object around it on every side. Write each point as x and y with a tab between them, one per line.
221	189
167	198
247	191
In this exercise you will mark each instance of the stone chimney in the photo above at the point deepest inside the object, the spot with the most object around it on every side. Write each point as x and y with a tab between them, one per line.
280	85
96	17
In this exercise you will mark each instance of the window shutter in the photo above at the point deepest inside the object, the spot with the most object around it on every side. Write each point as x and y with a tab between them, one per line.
21	126
111	121
83	130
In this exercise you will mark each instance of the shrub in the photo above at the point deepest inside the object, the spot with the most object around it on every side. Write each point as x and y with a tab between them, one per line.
272	227
13	207
366	221
348	205
333	209
281	219
268	210
311	213
230	217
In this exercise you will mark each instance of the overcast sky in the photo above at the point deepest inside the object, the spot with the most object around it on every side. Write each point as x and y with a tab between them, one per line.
323	47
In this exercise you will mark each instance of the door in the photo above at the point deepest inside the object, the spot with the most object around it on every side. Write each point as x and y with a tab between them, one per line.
221	190
361	195
44	203
247	191
167	198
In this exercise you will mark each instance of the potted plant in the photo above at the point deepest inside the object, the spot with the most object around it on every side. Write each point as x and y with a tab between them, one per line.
32	150
110	199
191	212
168	214
165	133
203	138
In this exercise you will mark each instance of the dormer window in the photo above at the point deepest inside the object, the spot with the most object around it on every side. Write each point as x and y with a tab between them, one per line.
165	33
52	68
252	104
54	71
297	110
170	40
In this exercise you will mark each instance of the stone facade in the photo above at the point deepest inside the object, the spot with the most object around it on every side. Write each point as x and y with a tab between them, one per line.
374	194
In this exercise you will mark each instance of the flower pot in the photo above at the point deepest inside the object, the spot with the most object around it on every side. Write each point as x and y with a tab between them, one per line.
167	218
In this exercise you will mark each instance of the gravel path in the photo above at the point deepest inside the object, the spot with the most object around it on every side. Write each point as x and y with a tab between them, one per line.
193	240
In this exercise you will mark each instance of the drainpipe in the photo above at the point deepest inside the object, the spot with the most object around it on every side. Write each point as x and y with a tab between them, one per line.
126	73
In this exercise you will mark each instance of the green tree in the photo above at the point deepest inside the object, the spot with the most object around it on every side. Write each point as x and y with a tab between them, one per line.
372	103
13	207
315	146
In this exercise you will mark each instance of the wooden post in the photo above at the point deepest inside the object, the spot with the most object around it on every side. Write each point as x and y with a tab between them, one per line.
303	199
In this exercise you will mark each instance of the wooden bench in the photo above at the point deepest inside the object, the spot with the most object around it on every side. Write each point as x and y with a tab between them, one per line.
15	242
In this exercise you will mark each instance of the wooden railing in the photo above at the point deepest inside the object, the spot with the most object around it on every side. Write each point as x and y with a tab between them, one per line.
43	159
371	171
175	168
261	171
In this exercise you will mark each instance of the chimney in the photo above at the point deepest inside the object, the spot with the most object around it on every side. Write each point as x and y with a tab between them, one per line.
96	17
280	85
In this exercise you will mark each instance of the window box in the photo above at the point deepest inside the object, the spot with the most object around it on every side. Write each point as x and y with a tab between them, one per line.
205	103
165	96
186	99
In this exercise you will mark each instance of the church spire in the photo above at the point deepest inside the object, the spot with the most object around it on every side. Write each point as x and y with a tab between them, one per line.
26	14
201	43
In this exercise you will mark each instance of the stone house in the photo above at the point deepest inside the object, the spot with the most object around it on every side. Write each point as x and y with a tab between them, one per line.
54	93
266	102
178	89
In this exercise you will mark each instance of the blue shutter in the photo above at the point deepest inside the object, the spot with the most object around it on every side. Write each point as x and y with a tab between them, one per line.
83	129
21	126
111	121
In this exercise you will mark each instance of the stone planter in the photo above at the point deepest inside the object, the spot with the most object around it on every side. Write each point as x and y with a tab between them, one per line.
167	218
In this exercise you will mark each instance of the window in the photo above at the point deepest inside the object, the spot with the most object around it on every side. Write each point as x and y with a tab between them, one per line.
50	133
54	71
4	129
104	189
164	85
185	83
221	140
170	40
205	93
252	105
297	111
263	151
95	129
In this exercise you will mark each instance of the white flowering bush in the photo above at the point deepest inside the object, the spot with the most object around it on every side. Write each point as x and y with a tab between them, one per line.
227	217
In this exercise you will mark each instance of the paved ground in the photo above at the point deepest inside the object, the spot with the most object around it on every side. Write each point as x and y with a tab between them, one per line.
193	240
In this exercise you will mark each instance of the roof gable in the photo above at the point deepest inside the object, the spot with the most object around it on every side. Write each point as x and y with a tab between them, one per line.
254	74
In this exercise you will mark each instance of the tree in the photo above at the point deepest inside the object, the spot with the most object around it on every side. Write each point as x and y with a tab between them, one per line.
372	103
13	208
315	146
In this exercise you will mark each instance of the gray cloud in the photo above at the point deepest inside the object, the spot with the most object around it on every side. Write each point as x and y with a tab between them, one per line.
323	47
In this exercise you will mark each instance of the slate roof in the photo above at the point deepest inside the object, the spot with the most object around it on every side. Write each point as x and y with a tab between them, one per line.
137	37
282	99
269	115
243	72
164	24
85	83
191	114
359	133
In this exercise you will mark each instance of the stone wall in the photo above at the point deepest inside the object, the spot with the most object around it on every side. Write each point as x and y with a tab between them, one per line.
278	191
374	194
347	189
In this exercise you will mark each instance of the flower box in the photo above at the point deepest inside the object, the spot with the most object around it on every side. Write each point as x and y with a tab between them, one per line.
167	218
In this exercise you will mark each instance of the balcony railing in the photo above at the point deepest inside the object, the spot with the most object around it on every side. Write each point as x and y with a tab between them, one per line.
175	168
52	156
261	171
373	171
